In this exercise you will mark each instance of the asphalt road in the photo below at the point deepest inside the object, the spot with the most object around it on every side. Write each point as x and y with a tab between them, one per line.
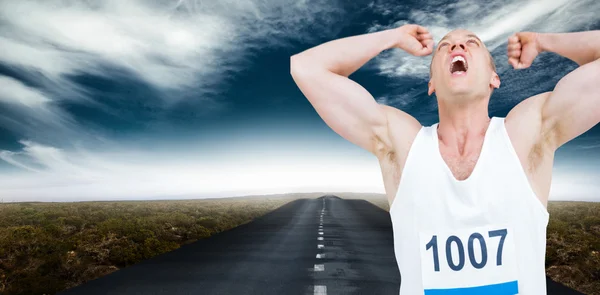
287	251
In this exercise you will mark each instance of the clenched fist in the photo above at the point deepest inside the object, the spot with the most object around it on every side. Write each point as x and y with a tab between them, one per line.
415	40
522	49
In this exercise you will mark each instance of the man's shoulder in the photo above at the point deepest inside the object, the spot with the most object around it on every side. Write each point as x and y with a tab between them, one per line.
528	106
524	122
525	128
402	128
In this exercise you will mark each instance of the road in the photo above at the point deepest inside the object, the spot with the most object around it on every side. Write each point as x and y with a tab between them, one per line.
327	245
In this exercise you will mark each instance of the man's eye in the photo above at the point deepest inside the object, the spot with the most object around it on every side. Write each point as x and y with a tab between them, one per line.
473	41
442	45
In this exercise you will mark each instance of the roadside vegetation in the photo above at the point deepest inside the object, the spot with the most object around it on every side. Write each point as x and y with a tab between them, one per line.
573	245
49	247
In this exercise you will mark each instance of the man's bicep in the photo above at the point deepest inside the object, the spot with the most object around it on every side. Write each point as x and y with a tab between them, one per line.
347	108
574	105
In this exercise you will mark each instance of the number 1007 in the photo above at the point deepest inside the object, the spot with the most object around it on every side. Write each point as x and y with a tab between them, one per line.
454	240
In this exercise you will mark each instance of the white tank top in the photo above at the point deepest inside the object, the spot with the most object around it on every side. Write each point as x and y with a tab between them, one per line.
482	235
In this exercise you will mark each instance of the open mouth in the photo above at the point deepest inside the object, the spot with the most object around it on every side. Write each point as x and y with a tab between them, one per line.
458	65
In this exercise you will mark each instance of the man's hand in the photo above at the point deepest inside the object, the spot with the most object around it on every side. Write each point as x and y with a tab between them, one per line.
522	49
415	40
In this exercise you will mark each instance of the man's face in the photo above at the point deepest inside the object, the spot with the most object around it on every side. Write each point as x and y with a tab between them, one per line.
461	67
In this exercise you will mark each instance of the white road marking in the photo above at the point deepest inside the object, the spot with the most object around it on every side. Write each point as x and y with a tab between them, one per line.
319	267
320	238
320	232
319	256
319	246
320	290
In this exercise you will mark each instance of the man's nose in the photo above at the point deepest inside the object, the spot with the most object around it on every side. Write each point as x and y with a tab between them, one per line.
461	45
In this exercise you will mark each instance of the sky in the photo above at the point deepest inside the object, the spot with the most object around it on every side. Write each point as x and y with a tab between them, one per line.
113	100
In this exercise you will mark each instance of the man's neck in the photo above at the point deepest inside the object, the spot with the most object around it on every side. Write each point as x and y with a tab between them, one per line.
462	127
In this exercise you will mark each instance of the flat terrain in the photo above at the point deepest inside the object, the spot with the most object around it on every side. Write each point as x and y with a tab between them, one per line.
288	251
49	247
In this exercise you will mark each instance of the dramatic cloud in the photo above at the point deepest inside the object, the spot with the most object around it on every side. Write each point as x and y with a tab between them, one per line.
171	45
72	73
492	22
13	91
54	174
182	50
31	113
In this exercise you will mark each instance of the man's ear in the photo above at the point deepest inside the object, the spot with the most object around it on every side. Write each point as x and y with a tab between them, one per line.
431	88
495	81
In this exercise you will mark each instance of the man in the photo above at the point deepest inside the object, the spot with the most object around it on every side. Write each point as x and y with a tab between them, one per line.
468	195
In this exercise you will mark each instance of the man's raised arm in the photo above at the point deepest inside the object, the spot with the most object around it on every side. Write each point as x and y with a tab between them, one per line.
574	105
322	73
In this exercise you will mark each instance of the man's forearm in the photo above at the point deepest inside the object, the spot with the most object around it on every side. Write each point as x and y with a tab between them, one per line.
345	56
580	47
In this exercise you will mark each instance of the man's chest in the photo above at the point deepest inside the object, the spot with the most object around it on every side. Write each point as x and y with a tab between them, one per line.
461	166
536	166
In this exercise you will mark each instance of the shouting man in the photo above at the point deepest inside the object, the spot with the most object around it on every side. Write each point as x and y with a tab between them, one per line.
467	195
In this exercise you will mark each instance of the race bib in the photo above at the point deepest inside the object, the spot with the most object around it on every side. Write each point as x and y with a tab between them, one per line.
478	260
